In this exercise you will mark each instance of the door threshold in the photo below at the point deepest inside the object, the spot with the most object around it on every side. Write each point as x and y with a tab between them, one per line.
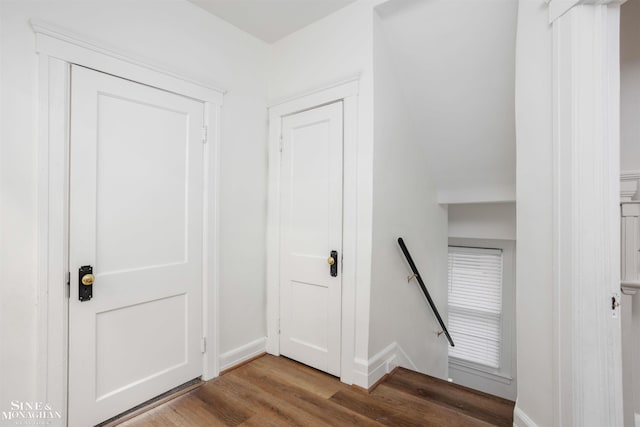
152	403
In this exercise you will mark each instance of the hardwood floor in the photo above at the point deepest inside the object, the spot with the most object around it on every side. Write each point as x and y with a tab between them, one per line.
275	391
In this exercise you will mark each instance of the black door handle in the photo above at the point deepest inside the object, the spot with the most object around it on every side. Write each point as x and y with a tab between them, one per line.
85	283
333	263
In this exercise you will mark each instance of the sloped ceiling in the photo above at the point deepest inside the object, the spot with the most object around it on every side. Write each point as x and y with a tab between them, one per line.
271	20
455	61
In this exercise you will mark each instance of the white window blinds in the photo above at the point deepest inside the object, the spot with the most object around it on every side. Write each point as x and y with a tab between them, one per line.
475	304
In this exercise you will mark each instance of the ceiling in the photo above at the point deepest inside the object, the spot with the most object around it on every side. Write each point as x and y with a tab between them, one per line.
271	20
455	63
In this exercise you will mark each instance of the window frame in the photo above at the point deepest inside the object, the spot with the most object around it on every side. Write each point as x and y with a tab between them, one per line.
505	373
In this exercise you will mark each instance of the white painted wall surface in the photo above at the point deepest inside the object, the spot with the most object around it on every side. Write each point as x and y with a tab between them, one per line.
178	36
328	51
534	262
630	86
404	205
483	221
455	62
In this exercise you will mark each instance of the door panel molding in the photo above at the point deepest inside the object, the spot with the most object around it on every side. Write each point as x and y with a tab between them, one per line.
57	49
347	92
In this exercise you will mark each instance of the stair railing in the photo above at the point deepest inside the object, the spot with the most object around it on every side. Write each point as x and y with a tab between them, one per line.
416	275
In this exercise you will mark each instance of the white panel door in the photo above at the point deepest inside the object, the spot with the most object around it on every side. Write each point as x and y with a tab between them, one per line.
311	227
136	203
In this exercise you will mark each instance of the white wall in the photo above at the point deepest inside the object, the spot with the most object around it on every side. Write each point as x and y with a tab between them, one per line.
330	50
483	221
404	205
534	190
17	216
181	37
455	64
630	86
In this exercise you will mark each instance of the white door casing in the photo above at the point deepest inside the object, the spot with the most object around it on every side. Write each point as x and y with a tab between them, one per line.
356	238
311	227
136	215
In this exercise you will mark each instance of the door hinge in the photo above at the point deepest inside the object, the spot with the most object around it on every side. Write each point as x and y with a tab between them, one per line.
203	345
205	132
281	143
68	284
278	326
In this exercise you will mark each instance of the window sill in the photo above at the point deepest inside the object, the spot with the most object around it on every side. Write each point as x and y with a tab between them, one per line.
479	370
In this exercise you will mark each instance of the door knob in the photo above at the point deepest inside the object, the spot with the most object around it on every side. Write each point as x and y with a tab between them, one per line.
331	260
88	279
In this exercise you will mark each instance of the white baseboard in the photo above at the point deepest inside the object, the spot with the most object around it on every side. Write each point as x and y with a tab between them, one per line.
368	372
521	419
636	419
238	355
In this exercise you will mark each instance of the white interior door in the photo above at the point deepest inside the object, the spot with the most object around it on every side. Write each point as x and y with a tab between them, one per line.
136	206
311	228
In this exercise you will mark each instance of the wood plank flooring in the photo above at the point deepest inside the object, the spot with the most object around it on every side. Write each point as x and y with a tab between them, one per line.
276	391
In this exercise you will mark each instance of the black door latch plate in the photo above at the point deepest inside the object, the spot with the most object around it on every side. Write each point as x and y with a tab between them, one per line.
334	267
85	286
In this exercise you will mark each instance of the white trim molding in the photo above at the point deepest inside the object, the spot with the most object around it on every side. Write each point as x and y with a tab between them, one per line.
629	185
369	372
78	49
234	357
53	161
521	419
587	335
57	49
503	194
329	93
630	175
347	92
558	8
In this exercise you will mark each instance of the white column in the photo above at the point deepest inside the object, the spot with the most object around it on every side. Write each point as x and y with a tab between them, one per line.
588	374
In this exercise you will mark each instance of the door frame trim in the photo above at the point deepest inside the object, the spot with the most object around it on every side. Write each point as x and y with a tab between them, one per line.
347	92
57	49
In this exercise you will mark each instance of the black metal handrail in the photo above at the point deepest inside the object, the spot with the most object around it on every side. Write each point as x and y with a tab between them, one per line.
416	274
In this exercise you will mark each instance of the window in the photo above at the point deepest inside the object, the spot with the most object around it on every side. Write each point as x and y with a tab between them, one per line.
475	305
481	315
